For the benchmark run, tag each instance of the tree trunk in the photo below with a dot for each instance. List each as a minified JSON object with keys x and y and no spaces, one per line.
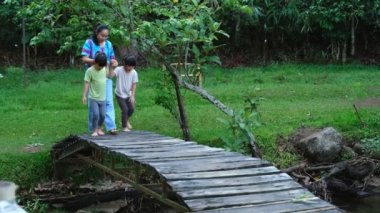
{"x":35,"y":53}
{"x":265,"y":49}
{"x":344,"y":52}
{"x":181,"y":108}
{"x":132,"y":49}
{"x":335,"y":51}
{"x":237,"y":30}
{"x":72,"y":60}
{"x":24,"y":49}
{"x":122,"y":50}
{"x":352,"y":36}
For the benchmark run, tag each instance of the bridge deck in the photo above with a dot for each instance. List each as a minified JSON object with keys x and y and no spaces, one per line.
{"x":212,"y":179}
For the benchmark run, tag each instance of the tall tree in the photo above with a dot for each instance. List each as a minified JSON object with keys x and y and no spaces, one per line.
{"x":337,"y":20}
{"x":179,"y":32}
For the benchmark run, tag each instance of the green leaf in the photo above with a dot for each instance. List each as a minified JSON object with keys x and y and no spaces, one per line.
{"x":214,"y":59}
{"x":196,"y":52}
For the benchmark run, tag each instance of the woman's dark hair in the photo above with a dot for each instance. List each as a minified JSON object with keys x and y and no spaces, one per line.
{"x":129,"y":61}
{"x":99,"y":28}
{"x":101,"y":59}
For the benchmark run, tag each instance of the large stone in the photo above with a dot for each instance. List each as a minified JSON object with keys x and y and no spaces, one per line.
{"x":323,"y":146}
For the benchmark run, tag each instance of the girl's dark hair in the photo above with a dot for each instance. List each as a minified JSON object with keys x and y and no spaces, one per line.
{"x":101,"y":59}
{"x":99,"y":28}
{"x":129,"y":61}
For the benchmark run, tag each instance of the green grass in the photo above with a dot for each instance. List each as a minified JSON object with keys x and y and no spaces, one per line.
{"x":50,"y":109}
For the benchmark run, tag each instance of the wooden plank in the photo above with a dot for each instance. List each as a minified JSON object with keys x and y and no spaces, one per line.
{"x":203,"y":166}
{"x":122,"y":134}
{"x":118,"y":138}
{"x":330,"y":209}
{"x":239,"y":200}
{"x":151,"y":144}
{"x":120,"y":143}
{"x":174,"y":147}
{"x":314,"y":204}
{"x":169,"y":151}
{"x":186,"y":158}
{"x":136,"y":140}
{"x":148,"y":145}
{"x":227,"y":173}
{"x":175,"y":157}
{"x":135,"y":132}
{"x":239,"y":190}
{"x":232,"y":159}
{"x":182,"y":185}
{"x":157,"y":148}
{"x":148,"y":138}
{"x":134,"y":136}
{"x":158,"y":155}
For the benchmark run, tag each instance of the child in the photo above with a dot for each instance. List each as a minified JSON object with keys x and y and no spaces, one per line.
{"x":95,"y":87}
{"x":126,"y":79}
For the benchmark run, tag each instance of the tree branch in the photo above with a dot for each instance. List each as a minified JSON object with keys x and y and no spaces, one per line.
{"x":204,"y":94}
{"x":302,"y":166}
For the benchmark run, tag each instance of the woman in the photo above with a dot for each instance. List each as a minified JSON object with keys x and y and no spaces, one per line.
{"x":99,"y":43}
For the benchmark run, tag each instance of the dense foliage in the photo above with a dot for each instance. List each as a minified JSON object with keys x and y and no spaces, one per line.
{"x":261,"y":31}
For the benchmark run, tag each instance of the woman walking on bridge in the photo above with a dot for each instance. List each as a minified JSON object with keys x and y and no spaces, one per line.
{"x":100,"y":43}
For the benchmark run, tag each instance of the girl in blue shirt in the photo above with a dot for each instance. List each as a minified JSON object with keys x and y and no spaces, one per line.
{"x":99,"y":43}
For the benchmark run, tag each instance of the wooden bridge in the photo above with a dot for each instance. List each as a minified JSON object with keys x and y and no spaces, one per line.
{"x":196,"y":178}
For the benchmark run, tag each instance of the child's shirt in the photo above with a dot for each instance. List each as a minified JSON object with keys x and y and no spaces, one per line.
{"x":97,"y":80}
{"x":124,"y":82}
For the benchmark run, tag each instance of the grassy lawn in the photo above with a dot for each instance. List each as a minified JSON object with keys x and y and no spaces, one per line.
{"x":292,"y":96}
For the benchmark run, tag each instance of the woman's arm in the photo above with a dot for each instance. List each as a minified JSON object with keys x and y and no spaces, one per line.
{"x":114,"y":63}
{"x":87,"y":50}
{"x":88,"y":60}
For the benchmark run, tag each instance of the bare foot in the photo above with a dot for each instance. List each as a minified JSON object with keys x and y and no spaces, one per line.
{"x":126,"y":129}
{"x":94,"y":134}
{"x":129,"y":126}
{"x":100,"y":132}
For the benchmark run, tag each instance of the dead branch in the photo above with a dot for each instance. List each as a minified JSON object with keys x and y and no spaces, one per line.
{"x":204,"y":94}
{"x":294,"y":168}
{"x":303,"y":166}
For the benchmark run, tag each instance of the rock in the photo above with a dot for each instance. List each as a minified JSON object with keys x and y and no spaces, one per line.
{"x":362,"y":150}
{"x":358,"y":148}
{"x":360,"y":169}
{"x":323,"y":146}
{"x":348,"y":153}
{"x":374,"y":184}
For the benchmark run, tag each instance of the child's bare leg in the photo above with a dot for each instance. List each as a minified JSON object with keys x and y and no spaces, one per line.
{"x":129,"y":126}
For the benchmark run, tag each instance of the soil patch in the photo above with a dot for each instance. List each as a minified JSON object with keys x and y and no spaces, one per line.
{"x":368,"y":103}
{"x":32,"y":148}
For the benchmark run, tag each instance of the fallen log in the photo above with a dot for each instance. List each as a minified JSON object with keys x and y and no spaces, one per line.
{"x":304,"y":167}
{"x":343,"y":178}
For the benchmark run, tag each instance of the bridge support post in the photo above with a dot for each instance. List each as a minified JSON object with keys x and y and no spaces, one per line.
{"x":155,"y":195}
